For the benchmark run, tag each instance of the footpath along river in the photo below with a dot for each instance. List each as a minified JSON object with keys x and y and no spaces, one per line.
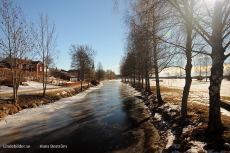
{"x":109,"y":119}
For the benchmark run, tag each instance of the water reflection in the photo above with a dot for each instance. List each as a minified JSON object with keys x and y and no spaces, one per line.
{"x":99,"y":120}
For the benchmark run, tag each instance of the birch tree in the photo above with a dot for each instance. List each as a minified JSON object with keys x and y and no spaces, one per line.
{"x":15,"y":41}
{"x":45,"y":44}
{"x":213,"y":25}
{"x":184,"y":14}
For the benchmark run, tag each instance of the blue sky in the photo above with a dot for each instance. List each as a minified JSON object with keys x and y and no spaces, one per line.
{"x":83,"y":22}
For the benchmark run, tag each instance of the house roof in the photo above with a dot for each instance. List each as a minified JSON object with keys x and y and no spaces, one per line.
{"x":35,"y":62}
{"x":5,"y":62}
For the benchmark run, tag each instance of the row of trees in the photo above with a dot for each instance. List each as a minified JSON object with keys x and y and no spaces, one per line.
{"x":104,"y":75}
{"x":163,"y":30}
{"x":20,"y":39}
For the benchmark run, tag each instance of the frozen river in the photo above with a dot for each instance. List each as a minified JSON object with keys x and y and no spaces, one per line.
{"x":99,"y":122}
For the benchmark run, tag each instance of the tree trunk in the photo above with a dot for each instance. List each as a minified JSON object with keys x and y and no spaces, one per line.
{"x":188,"y":68}
{"x":216,"y":77}
{"x":158,"y":91}
{"x":218,"y":57}
{"x":142,"y":80}
{"x":155,"y":58}
{"x":149,"y":85}
{"x":45,"y":83}
{"x":89,"y":78}
{"x":134,"y":79}
{"x":81,"y":80}
{"x":206,"y":72}
{"x":189,"y":6}
{"x":188,"y":81}
{"x":139,"y":78}
{"x":15,"y":95}
{"x":146,"y":78}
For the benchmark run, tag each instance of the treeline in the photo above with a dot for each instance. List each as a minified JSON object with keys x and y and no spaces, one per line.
{"x":82,"y":57}
{"x":164,"y":32}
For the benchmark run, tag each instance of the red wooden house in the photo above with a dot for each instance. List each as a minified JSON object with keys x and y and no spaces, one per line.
{"x":25,"y":65}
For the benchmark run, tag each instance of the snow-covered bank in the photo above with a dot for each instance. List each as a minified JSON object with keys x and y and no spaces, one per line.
{"x":32,"y":85}
{"x":196,"y":86}
{"x":167,"y":121}
{"x":28,"y":114}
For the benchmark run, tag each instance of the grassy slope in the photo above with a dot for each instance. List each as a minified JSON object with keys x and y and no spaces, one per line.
{"x":199,"y":133}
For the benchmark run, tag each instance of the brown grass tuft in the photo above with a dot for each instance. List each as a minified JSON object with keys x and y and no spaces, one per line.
{"x":2,"y":114}
{"x":197,"y":113}
{"x":225,"y":98}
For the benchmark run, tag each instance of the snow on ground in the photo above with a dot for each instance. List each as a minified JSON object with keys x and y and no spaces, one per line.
{"x":134,"y":91}
{"x":31,"y":113}
{"x":197,"y":146}
{"x":197,"y":98}
{"x":198,"y":91}
{"x":32,"y":86}
{"x":199,"y":95}
{"x":195,"y":86}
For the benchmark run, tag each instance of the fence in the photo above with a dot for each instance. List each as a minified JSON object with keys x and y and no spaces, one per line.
{"x":74,"y":83}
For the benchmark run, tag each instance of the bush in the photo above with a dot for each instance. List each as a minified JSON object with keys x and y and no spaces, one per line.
{"x":24,"y":80}
{"x":94,"y":82}
{"x":228,"y":77}
{"x":199,"y":78}
{"x":7,"y":82}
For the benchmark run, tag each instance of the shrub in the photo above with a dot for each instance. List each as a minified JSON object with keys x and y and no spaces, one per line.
{"x":228,"y":76}
{"x":199,"y":78}
{"x":24,"y":80}
{"x":94,"y":82}
{"x":7,"y":82}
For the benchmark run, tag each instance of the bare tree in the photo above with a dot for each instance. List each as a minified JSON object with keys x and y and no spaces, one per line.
{"x":201,"y":64}
{"x":15,"y":41}
{"x":109,"y":74}
{"x":82,"y":59}
{"x":198,"y":67}
{"x":100,"y":72}
{"x":184,"y":13}
{"x":212,"y":24}
{"x":45,"y":45}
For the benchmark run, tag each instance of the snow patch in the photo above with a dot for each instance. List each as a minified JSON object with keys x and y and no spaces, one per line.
{"x":27,"y":114}
{"x":170,"y":138}
{"x":32,"y":86}
{"x":197,"y":146}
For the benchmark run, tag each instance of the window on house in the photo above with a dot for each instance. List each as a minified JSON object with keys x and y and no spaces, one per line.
{"x":40,"y":68}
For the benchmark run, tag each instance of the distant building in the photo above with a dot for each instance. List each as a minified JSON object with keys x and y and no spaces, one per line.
{"x":65,"y":75}
{"x":25,"y":65}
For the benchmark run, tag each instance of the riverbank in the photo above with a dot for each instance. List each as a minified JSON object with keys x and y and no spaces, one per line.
{"x":109,"y":119}
{"x":146,"y":135}
{"x":187,"y":135}
{"x":26,"y":101}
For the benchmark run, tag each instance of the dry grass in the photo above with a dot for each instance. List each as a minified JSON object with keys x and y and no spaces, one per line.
{"x":2,"y":114}
{"x":33,"y":100}
{"x":166,"y":90}
{"x":194,"y":108}
{"x":225,"y":98}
